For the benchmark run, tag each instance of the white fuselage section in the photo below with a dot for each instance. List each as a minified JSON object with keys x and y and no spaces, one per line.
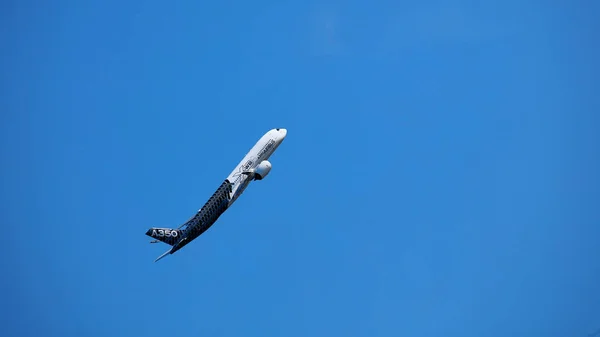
{"x":262,"y":150}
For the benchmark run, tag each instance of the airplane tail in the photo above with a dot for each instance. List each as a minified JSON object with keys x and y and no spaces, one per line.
{"x":166,"y":235}
{"x":164,"y":254}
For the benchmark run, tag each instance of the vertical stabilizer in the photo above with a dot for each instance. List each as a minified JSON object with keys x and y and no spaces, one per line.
{"x":166,"y":235}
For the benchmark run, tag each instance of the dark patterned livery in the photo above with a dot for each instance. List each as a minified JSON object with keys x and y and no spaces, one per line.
{"x":199,"y":223}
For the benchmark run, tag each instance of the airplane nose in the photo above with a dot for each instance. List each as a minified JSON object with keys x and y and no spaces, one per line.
{"x":283,"y":132}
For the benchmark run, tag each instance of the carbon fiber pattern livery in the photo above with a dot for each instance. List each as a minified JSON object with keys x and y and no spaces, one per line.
{"x":199,"y":223}
{"x":209,"y":213}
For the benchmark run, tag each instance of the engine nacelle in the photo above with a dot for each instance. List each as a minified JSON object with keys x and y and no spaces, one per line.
{"x":261,"y":171}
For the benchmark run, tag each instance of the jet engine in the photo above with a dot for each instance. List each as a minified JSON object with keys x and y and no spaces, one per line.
{"x":262,"y":170}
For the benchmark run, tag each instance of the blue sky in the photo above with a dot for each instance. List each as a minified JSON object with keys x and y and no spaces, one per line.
{"x":439,"y":177}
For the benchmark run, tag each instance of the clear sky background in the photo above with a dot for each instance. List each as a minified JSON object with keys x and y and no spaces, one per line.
{"x":439,"y":177}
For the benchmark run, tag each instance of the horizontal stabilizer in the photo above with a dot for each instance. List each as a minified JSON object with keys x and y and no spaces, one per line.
{"x":165,"y":254}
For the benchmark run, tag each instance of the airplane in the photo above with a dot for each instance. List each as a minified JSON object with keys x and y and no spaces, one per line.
{"x":254,"y":166}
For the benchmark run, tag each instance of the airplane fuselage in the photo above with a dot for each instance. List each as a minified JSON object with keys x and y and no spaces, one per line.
{"x":254,"y":166}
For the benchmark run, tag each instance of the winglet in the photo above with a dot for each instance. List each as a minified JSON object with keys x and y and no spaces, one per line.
{"x":165,"y":254}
